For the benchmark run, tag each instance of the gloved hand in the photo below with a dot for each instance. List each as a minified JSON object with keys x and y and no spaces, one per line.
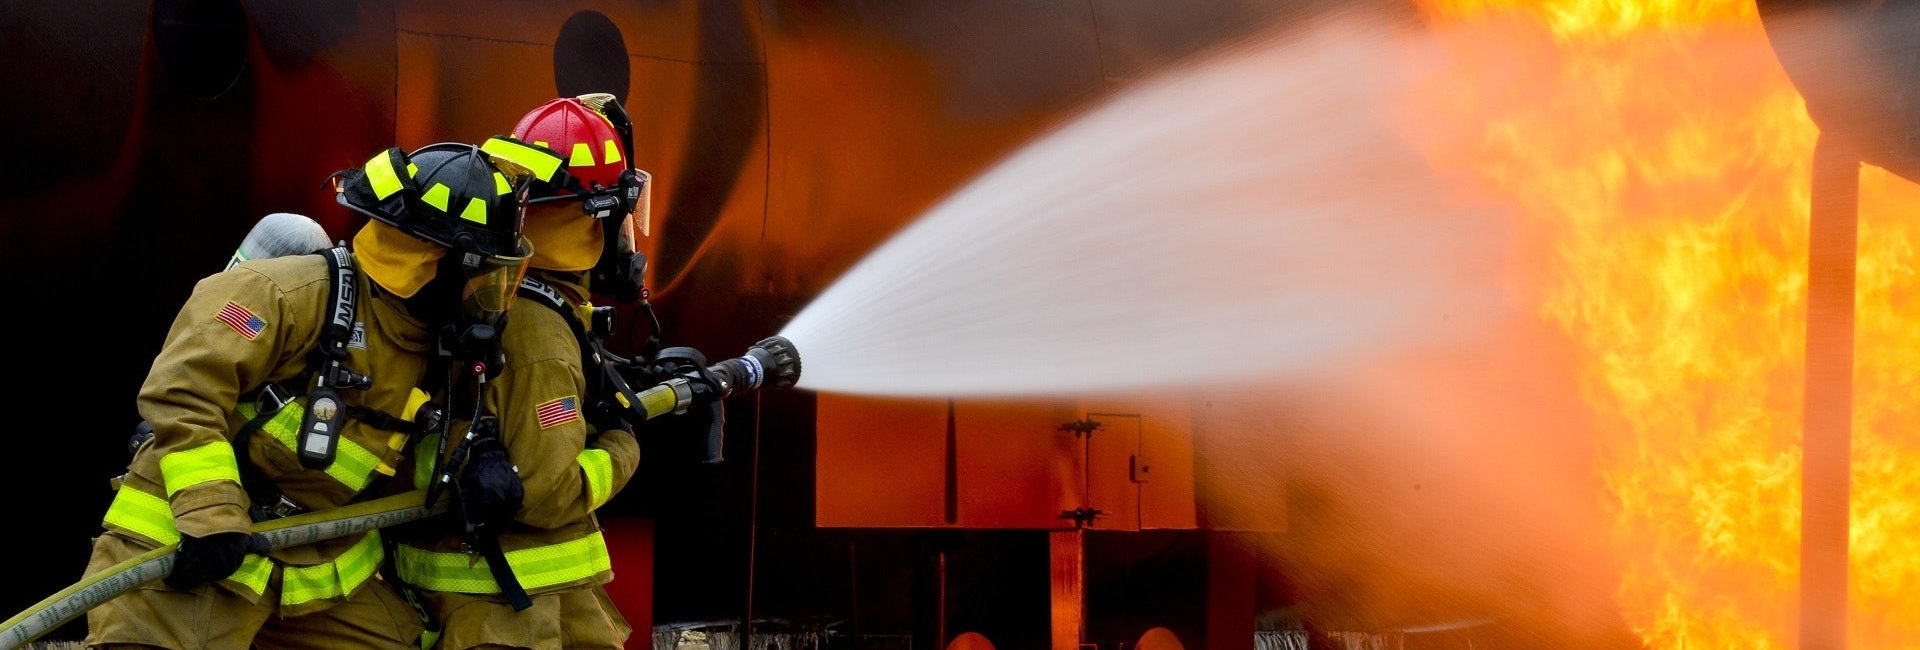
{"x":200,"y":560}
{"x":490,"y":492}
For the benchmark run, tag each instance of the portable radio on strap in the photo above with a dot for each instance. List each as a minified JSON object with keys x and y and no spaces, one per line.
{"x":319,"y":437}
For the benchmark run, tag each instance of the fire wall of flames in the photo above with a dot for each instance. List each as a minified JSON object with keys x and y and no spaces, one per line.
{"x":1661,"y":158}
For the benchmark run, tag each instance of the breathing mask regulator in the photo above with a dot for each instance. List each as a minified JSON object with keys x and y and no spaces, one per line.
{"x":627,"y":218}
{"x":486,"y":288}
{"x":622,"y":267}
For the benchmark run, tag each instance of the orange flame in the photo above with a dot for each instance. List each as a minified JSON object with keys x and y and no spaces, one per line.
{"x":1662,"y":158}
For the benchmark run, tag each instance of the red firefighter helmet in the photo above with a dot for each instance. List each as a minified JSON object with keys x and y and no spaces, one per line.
{"x":581,"y":135}
{"x":592,"y":136}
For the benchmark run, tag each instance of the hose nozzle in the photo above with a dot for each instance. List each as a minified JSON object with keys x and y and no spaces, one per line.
{"x":771,"y":363}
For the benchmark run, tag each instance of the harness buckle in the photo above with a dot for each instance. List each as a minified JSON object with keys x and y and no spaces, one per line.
{"x":272,"y":398}
{"x":285,"y":508}
{"x":280,"y":507}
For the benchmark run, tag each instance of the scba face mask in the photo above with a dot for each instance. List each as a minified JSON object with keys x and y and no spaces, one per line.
{"x":491,"y":283}
{"x":622,"y":268}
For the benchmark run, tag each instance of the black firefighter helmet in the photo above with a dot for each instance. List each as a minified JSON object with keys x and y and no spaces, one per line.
{"x":455,"y":196}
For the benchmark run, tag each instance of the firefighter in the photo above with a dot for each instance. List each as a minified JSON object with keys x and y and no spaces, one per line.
{"x":585,"y":214}
{"x":290,"y":385}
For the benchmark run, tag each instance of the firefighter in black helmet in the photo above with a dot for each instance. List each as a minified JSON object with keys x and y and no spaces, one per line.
{"x":293,"y":384}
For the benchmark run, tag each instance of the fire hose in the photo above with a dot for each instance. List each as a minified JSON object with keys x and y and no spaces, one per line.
{"x":56,"y":610}
{"x":771,"y":363}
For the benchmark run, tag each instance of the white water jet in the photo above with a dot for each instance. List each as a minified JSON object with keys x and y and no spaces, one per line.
{"x":1249,"y":216}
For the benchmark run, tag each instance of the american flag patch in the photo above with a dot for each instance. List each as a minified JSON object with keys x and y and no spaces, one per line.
{"x":560,"y":411}
{"x":241,"y":320}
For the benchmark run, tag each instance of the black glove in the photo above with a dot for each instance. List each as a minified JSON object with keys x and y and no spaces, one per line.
{"x":490,"y":492}
{"x":200,"y":560}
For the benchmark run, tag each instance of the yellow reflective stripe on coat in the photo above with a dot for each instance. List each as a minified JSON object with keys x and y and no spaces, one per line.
{"x":254,"y":572}
{"x":537,"y":567}
{"x":143,"y":513}
{"x":203,"y":464}
{"x":422,"y":466}
{"x":598,"y":466}
{"x":299,"y":584}
{"x":353,"y":465}
{"x":150,"y":515}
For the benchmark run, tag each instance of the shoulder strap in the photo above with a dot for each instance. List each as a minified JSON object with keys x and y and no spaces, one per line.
{"x":342,"y":298}
{"x":610,"y":401}
{"x":545,"y":294}
{"x":549,"y":296}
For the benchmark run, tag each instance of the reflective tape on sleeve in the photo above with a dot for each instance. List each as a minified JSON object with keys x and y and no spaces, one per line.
{"x":203,"y":464}
{"x":143,"y":513}
{"x":254,"y":572}
{"x":597,"y":464}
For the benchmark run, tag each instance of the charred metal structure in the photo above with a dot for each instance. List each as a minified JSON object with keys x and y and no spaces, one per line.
{"x":1857,"y":65}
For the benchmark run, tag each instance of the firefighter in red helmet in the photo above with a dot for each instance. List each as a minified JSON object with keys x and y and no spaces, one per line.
{"x":559,"y":420}
{"x":280,"y":389}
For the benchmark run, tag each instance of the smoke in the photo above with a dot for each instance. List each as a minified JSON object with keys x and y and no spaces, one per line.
{"x":1447,"y":490}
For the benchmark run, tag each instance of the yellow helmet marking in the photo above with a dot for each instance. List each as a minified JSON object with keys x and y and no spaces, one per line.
{"x":381,"y":176}
{"x":613,"y":152}
{"x":436,"y":196}
{"x":500,"y":185}
{"x":476,"y":211}
{"x":582,"y":156}
{"x":541,"y":163}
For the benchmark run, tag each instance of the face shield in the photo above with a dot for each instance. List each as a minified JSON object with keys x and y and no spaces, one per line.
{"x":492,"y":281}
{"x":638,"y":222}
